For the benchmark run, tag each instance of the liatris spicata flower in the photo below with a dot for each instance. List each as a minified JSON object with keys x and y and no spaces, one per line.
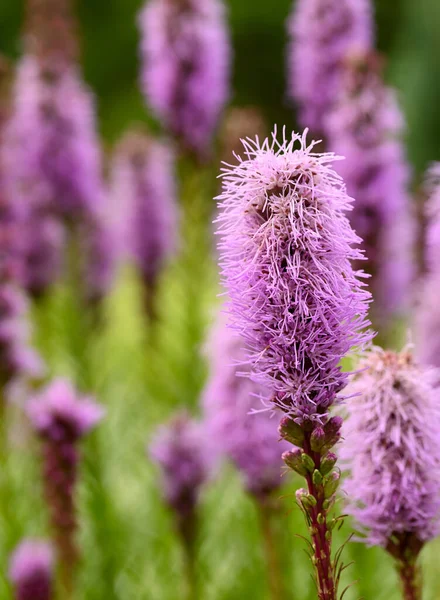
{"x":186,"y":61}
{"x":54,"y":154}
{"x":322,"y":33}
{"x":16,"y":357}
{"x":432,"y":242}
{"x":427,"y":322}
{"x":286,"y":247}
{"x":366,"y":127}
{"x":61,"y":418}
{"x":31,"y":570}
{"x":179,"y":449}
{"x":239,"y":427}
{"x":145,"y":194}
{"x":392,"y":450}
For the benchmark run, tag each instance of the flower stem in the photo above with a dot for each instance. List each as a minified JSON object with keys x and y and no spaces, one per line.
{"x":409,"y":574}
{"x":187,"y":526}
{"x":320,"y":533}
{"x":268,"y":514}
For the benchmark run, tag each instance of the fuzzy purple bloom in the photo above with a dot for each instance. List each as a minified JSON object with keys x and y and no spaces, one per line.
{"x":366,"y":126}
{"x":53,"y":135}
{"x":186,"y":62}
{"x":392,"y":450}
{"x":427,"y":314}
{"x":16,"y":357}
{"x":322,"y":34}
{"x":61,"y":418}
{"x":145,"y":194}
{"x":432,"y":249}
{"x":179,"y":448}
{"x":54,"y":162}
{"x":286,"y":249}
{"x":31,"y":570}
{"x":239,"y":427}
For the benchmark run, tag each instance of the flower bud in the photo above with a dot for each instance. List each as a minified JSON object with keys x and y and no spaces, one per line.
{"x":317,"y":439}
{"x":332,"y":484}
{"x":293,"y":459}
{"x":291,"y":431}
{"x":308,"y":462}
{"x":327,"y":463}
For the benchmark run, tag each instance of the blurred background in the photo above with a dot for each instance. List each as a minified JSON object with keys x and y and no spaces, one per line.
{"x":127,"y":537}
{"x":407,"y":34}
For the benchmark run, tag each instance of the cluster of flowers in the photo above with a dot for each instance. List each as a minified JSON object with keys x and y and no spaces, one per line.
{"x":290,"y":261}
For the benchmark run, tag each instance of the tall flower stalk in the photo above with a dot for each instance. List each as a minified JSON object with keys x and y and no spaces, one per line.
{"x":54,"y":156}
{"x":61,"y":418}
{"x":322,"y":33}
{"x":17,"y":359}
{"x":366,"y":126}
{"x":286,"y":247}
{"x":143,"y":189}
{"x":185,"y":56}
{"x":245,"y":434}
{"x":179,"y":450}
{"x":427,"y":314}
{"x":392,"y":451}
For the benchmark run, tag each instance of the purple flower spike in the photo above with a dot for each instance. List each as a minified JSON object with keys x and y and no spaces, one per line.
{"x":427,"y":323}
{"x":239,"y":427}
{"x":16,"y":357}
{"x":286,"y":247}
{"x":366,"y":126}
{"x":392,"y":451}
{"x":186,"y":62}
{"x":54,"y":162}
{"x":31,"y":571}
{"x":432,"y":186}
{"x":179,"y":449}
{"x":61,"y":418}
{"x":145,"y":193}
{"x":322,"y":34}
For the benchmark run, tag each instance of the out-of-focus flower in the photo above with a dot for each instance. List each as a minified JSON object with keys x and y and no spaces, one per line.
{"x":145,"y":198}
{"x":186,"y":61}
{"x":179,"y":448}
{"x":392,"y":450}
{"x":285,"y":253}
{"x":54,"y":162}
{"x":61,"y":418}
{"x":16,"y":357}
{"x":322,"y":34}
{"x":366,"y":126}
{"x":427,"y":314}
{"x":31,"y":570}
{"x":239,"y":427}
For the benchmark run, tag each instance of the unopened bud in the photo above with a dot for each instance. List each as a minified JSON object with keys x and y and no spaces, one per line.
{"x":327,"y":463}
{"x":317,"y":477}
{"x":308,"y":462}
{"x":332,"y":430}
{"x":293,"y":460}
{"x":317,"y":439}
{"x":291,"y":431}
{"x":332,"y":484}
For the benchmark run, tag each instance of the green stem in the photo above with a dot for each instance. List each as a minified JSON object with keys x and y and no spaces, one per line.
{"x":187,"y":528}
